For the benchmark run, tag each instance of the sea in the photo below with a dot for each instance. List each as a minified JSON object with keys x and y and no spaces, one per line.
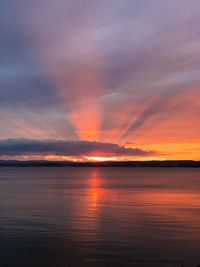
{"x":99,"y":216}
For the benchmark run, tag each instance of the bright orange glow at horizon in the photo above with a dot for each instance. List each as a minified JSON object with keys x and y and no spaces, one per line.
{"x":96,"y":158}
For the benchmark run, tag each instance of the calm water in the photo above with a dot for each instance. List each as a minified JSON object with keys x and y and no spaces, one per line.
{"x":60,"y":217}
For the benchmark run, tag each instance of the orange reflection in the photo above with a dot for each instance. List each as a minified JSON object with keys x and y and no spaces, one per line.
{"x":132,"y":206}
{"x":95,"y":192}
{"x":86,"y":211}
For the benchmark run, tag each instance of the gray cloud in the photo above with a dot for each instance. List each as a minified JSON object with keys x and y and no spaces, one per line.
{"x":137,"y":48}
{"x":17,"y":147}
{"x":23,"y":85}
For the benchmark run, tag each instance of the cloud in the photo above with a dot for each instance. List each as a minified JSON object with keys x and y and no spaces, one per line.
{"x":58,"y":57}
{"x":22,"y":146}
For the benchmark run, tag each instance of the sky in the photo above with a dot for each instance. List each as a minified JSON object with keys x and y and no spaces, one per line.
{"x":100,"y":80}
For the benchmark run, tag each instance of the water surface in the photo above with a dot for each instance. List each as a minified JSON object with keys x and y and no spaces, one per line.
{"x":59,"y":217}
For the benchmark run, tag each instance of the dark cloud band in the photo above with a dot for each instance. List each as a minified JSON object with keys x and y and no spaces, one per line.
{"x":16,"y":147}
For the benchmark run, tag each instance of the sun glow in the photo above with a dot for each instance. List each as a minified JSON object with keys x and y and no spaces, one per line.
{"x":100,"y":158}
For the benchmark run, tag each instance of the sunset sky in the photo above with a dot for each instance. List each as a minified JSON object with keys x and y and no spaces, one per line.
{"x":91,"y":80}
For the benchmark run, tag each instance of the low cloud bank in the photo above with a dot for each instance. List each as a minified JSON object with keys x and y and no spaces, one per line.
{"x":17,"y":147}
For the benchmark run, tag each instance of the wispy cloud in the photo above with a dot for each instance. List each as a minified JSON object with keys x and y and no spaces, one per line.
{"x":102,"y":71}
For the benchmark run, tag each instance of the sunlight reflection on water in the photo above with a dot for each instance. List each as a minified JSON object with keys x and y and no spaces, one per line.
{"x":99,"y":216}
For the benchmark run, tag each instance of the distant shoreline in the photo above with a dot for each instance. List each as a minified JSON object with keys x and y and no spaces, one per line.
{"x":134,"y":164}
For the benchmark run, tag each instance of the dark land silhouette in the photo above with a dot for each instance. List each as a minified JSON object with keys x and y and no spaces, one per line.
{"x":163,"y":164}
